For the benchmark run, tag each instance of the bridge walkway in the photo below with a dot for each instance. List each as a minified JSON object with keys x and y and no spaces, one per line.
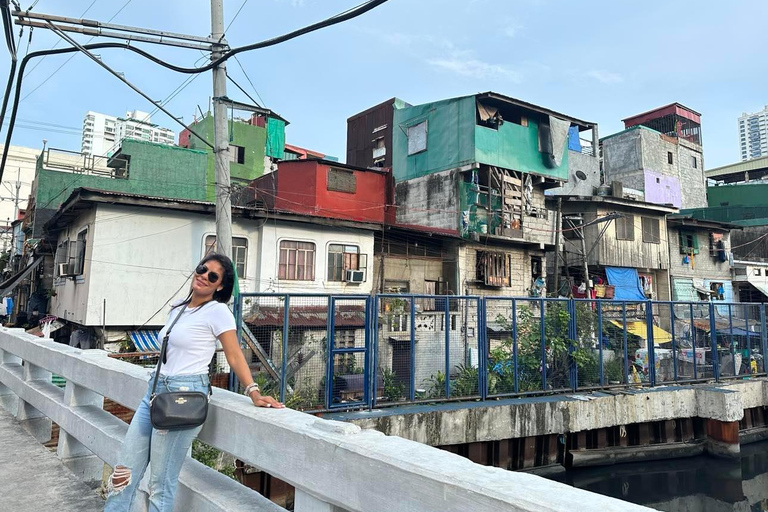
{"x":33,"y":479}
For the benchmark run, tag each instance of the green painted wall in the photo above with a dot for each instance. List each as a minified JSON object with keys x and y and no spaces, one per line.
{"x":454,"y":139}
{"x":516,"y":147}
{"x":450,"y":137}
{"x":252,"y":138}
{"x":743,"y":194}
{"x":155,"y":170}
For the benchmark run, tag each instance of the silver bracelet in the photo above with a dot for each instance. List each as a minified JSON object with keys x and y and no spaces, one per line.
{"x":250,"y":388}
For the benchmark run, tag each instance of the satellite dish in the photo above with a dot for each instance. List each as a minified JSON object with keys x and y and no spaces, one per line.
{"x":580,"y":175}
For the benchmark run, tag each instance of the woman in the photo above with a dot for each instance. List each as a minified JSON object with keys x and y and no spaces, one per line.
{"x":204,"y":318}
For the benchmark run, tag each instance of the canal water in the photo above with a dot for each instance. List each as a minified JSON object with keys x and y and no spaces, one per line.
{"x":699,"y":484}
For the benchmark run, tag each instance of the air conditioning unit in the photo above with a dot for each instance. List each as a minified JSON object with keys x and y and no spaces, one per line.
{"x":65,"y":270}
{"x":355,"y":276}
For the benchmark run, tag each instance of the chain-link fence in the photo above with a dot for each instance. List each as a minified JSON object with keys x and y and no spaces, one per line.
{"x":396,"y":349}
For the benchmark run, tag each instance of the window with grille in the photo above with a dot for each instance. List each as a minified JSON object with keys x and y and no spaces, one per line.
{"x":239,"y":252}
{"x":493,"y":268}
{"x":651,"y":233}
{"x":297,"y":261}
{"x":342,"y":258}
{"x":625,"y":227}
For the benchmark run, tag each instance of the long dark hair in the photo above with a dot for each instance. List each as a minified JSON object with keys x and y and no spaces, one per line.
{"x":227,"y":280}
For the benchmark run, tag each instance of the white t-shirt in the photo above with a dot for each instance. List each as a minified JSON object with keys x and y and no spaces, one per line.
{"x":193,"y":338}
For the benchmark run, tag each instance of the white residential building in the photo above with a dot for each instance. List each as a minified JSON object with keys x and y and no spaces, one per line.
{"x":103,"y":133}
{"x":121,"y":258}
{"x":20,"y":168}
{"x":753,"y":134}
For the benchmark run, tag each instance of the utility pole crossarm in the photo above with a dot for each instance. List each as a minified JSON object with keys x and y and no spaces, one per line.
{"x":101,"y":63}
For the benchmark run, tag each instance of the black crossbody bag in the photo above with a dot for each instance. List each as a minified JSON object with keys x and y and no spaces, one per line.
{"x":177,"y":410}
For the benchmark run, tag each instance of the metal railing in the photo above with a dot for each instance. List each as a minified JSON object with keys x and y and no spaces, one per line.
{"x":330,"y":464}
{"x":395,"y":349}
{"x":83,"y":163}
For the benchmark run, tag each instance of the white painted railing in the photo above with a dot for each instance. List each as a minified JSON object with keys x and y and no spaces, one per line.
{"x":334,"y":466}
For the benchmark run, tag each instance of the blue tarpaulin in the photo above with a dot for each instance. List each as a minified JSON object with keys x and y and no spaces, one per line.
{"x":574,"y":144}
{"x":626,"y":283}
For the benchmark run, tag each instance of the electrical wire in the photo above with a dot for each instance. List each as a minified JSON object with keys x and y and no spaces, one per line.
{"x":58,"y":41}
{"x":249,"y":81}
{"x":233,"y":19}
{"x":72,"y":56}
{"x":339,"y":18}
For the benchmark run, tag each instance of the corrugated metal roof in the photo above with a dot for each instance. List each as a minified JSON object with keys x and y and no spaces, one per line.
{"x":307,"y":316}
{"x":756,"y":164}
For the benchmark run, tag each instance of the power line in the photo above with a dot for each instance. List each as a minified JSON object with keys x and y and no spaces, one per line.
{"x":71,"y":56}
{"x":234,"y":17}
{"x":59,"y":40}
{"x":249,"y":81}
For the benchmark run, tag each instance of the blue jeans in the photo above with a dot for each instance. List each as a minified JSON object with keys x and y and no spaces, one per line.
{"x":165,"y":449}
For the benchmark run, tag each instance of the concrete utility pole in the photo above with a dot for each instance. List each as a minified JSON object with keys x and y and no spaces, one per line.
{"x":221,"y":135}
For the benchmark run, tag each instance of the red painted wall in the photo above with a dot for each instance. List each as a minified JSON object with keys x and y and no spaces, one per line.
{"x":302,"y":187}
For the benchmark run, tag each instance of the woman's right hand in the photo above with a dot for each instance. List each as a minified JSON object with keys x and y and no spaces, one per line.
{"x":265,"y":401}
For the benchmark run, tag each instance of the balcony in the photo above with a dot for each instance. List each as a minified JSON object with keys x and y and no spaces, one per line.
{"x":81,"y":163}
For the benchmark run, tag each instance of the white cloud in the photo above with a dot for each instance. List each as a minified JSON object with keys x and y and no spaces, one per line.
{"x":461,"y":63}
{"x":604,"y":77}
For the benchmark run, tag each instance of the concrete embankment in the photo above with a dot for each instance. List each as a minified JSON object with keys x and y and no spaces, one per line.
{"x":598,"y":428}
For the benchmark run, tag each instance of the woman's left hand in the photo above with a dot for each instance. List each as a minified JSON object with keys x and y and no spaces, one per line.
{"x":265,"y":401}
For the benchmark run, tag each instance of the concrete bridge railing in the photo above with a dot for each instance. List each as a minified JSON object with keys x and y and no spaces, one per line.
{"x":334,"y":466}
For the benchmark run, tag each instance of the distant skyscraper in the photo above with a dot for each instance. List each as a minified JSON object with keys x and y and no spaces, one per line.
{"x":102,"y":133}
{"x":753,"y":134}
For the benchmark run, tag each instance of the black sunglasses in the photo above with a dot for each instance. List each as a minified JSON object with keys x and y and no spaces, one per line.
{"x":212,"y":277}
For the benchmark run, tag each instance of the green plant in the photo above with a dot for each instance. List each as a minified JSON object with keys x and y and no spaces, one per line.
{"x":393,"y":389}
{"x":561,"y":352}
{"x":436,"y":385}
{"x":213,"y":458}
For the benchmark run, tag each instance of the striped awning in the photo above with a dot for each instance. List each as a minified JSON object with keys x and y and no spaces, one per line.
{"x":146,"y":341}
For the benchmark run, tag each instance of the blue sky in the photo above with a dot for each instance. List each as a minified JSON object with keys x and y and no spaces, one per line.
{"x":597,"y":60}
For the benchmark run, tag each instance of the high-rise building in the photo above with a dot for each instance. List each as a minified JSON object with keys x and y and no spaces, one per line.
{"x":102,"y":133}
{"x":753,"y":134}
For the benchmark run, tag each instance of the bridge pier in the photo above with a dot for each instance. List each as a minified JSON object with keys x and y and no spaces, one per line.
{"x":34,"y":421}
{"x":73,"y":454}
{"x":305,"y":502}
{"x":8,"y":399}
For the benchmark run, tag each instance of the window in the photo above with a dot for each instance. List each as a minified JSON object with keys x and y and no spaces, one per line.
{"x":340,"y":180}
{"x":379,"y":148}
{"x":758,"y":272}
{"x":689,"y":242}
{"x":77,"y":260}
{"x":342,"y":258}
{"x":694,"y":162}
{"x":669,"y":157}
{"x":625,"y":227}
{"x":239,"y":252}
{"x":493,"y":268}
{"x":651,"y":233}
{"x":297,"y":261}
{"x":417,"y":138}
{"x":236,"y":154}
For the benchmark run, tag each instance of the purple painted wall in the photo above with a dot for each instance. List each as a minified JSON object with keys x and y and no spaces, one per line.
{"x":662,"y":189}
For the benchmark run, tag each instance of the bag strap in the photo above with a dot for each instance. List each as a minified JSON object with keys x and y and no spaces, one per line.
{"x":165,"y":347}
